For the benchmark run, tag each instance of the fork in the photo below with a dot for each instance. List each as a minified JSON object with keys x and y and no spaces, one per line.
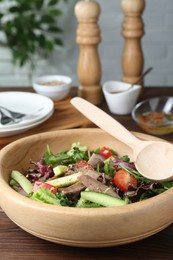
{"x":10,"y":113}
{"x":4,"y":119}
{"x":11,"y":117}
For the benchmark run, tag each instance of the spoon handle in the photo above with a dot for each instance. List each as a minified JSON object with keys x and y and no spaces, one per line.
{"x":142,"y":76}
{"x":104,"y":121}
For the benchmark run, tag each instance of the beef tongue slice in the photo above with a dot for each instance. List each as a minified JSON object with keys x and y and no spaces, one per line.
{"x":96,"y":186}
{"x":73,"y":191}
{"x":96,"y":159}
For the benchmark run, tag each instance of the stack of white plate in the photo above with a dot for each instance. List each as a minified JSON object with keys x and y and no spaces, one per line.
{"x":26,"y":103}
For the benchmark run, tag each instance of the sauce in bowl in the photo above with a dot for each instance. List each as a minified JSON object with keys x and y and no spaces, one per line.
{"x":156,"y":122}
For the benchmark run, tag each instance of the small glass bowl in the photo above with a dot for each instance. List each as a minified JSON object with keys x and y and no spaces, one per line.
{"x":155,"y":115}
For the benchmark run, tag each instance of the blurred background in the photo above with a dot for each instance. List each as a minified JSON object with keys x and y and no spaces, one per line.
{"x":157,"y":44}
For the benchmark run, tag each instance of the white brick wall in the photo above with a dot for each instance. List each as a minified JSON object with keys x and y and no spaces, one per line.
{"x":157,"y":45}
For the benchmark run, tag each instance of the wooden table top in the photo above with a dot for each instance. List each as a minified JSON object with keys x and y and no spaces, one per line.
{"x":18,"y":244}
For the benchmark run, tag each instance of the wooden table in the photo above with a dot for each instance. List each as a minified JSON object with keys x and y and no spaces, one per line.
{"x":18,"y":244}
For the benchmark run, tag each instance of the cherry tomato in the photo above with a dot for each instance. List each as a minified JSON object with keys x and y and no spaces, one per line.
{"x":105,"y":152}
{"x":122,"y":179}
{"x":39,"y":184}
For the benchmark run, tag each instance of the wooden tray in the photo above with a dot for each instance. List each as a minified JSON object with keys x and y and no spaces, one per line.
{"x":65,"y":116}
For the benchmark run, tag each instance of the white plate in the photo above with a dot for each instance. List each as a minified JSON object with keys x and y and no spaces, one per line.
{"x":27,"y":103}
{"x":24,"y":128}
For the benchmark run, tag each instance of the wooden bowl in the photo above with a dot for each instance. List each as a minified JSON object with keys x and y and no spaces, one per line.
{"x":94,"y":227}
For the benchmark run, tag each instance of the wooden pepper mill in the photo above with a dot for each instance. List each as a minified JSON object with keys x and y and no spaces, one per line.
{"x":88,"y":37}
{"x":132,"y":30}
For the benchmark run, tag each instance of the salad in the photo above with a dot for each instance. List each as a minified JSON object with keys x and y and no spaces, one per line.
{"x":82,"y":178}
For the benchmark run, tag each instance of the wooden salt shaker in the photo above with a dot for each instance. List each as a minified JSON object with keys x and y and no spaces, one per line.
{"x":132,"y":30}
{"x":88,"y":37}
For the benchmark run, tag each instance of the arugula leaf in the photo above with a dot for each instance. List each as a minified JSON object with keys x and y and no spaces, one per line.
{"x":76,"y":153}
{"x":125,"y":158}
{"x":109,"y":168}
{"x":151,"y":193}
{"x":167,"y":184}
{"x":64,"y":201}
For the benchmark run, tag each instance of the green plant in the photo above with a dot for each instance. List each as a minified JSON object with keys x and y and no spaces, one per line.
{"x":30,"y":28}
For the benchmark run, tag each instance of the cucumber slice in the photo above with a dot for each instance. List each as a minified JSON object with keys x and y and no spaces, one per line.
{"x":59,"y":170}
{"x":65,"y":181}
{"x":102,"y":199}
{"x":22,"y":180}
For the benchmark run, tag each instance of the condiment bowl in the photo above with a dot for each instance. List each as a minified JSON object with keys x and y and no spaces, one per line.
{"x":155,"y":115}
{"x":56,"y":87}
{"x":82,"y":227}
{"x":119,"y":98}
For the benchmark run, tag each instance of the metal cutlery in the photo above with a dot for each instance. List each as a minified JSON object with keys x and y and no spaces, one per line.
{"x":11,"y":113}
{"x":8,"y":116}
{"x":4,"y":119}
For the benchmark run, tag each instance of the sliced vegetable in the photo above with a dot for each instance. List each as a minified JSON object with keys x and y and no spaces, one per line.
{"x":59,"y":170}
{"x":39,"y":184}
{"x":105,"y":152}
{"x":102,"y":199}
{"x":22,"y":180}
{"x":66,"y":180}
{"x":124,"y":180}
{"x":13,"y":182}
{"x":128,"y":165}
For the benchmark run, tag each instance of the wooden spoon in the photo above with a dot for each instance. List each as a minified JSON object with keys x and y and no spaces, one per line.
{"x":153,"y":159}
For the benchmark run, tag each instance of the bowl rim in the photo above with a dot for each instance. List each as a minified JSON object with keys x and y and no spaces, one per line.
{"x":125,"y":86}
{"x":149,"y":124}
{"x":51,"y":89}
{"x":67,"y":79}
{"x":15,"y":196}
{"x":56,"y":89}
